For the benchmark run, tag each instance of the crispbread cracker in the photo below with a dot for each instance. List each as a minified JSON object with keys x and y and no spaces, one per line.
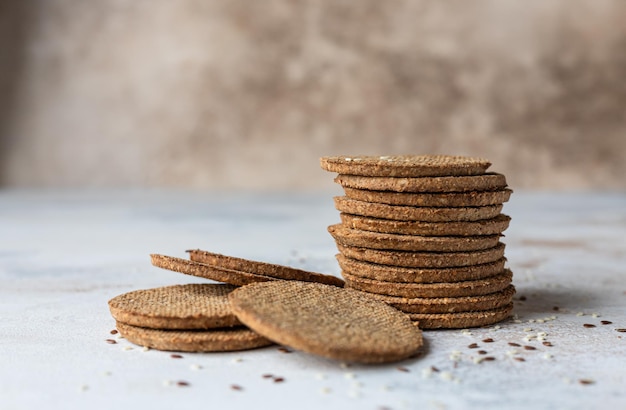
{"x":449,"y":199}
{"x":414,"y":213}
{"x":326,"y":320}
{"x":216,"y":340}
{"x":431,"y":290}
{"x":194,"y":306}
{"x":449,"y":304}
{"x":423,"y":259}
{"x":486,"y":182}
{"x":203,"y":270}
{"x":464,"y":228}
{"x":388,"y":273}
{"x":376,"y":240}
{"x":261,"y":268}
{"x":461,"y":320}
{"x":405,"y":165}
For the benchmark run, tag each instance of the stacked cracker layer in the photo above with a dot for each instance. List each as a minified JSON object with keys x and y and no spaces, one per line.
{"x":422,"y":233}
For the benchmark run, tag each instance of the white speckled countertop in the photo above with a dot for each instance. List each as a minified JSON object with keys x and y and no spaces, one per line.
{"x":64,"y":254}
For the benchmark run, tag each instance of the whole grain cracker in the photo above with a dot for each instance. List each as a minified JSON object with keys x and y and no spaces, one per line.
{"x":465,"y":228}
{"x":413,"y":213}
{"x":215,"y":340}
{"x":449,"y":304}
{"x":405,"y":165}
{"x":193,"y":306}
{"x":431,"y":290}
{"x":375,"y":240}
{"x":461,"y":320}
{"x":261,"y":268}
{"x":423,"y":259}
{"x":448,"y":199}
{"x":203,"y":270}
{"x":389,"y":273}
{"x":336,"y":323}
{"x":486,"y":182}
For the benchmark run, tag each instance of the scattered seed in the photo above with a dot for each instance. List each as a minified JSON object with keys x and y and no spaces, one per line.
{"x":555,"y":308}
{"x":514,"y":344}
{"x":522,"y":298}
{"x":473,"y":346}
{"x":403,"y":369}
{"x":182,"y":383}
{"x":580,"y":314}
{"x":127,"y":348}
{"x":519,"y":359}
{"x":237,"y":360}
{"x":279,"y":379}
{"x":549,"y":344}
{"x":284,"y":350}
{"x":176,"y":356}
{"x":267,"y":376}
{"x":547,"y":356}
{"x":586,"y":381}
{"x":145,"y":349}
{"x":350,"y":376}
{"x":236,"y":387}
{"x":606,"y":322}
{"x":434,"y":369}
{"x":528,"y":329}
{"x":621,"y":330}
{"x":530,"y":348}
{"x":325,"y":390}
{"x":588,"y":325}
{"x":488,"y":340}
{"x":195,"y":367}
{"x":111,"y":341}
{"x":482,"y":352}
{"x":114,"y":332}
{"x":595,"y":315}
{"x":489,"y":359}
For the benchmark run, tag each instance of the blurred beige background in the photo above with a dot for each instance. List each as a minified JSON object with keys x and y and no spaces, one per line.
{"x":245,"y":94}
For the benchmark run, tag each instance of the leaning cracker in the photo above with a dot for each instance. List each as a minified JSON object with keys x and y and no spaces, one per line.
{"x":423,"y":259}
{"x":414,"y":213}
{"x":486,"y":182}
{"x":261,"y":268}
{"x":405,"y":165}
{"x":203,"y":270}
{"x":194,"y":306}
{"x":376,"y":240}
{"x":326,"y":320}
{"x":447,"y":199}
{"x":388,"y":273}
{"x":431,"y":290}
{"x":449,"y":304}
{"x":219,"y":340}
{"x":491,"y":226}
{"x":461,"y":320}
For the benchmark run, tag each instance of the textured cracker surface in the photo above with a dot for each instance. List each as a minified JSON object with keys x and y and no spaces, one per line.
{"x":261,"y":268}
{"x":193,"y":306}
{"x":376,"y":240}
{"x":328,"y":321}
{"x":405,"y":165}
{"x":451,"y":199}
{"x":217,"y":340}
{"x":387,"y":273}
{"x":423,"y":259}
{"x":464,"y":228}
{"x":487,"y":182}
{"x":414,"y":213}
{"x":432,"y":290}
{"x":461,"y":320}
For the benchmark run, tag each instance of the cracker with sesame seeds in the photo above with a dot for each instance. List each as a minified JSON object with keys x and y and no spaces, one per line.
{"x":444,"y":184}
{"x":415,"y":213}
{"x":405,"y":165}
{"x":192,"y":306}
{"x":261,"y":268}
{"x":444,"y":199}
{"x":432,"y":290}
{"x":376,"y":240}
{"x":461,"y":320}
{"x":328,"y":321}
{"x":481,"y":227}
{"x":214,"y":340}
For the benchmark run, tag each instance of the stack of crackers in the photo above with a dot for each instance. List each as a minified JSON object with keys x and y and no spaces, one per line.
{"x":422,"y":233}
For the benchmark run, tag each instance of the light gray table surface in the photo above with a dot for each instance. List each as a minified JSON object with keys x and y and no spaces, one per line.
{"x":63,"y":255}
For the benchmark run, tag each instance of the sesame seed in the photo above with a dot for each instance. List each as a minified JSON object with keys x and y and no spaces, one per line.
{"x":580,"y":314}
{"x":528,"y":329}
{"x":195,"y":367}
{"x":127,"y":348}
{"x":167,"y":383}
{"x":606,"y":322}
{"x":236,"y":387}
{"x":284,"y":350}
{"x":237,"y":360}
{"x":403,"y":369}
{"x":519,"y":359}
{"x":530,"y":348}
{"x":547,"y":356}
{"x":446,"y":376}
{"x":434,"y":369}
{"x":279,"y":379}
{"x":482,"y":352}
{"x":589,"y":325}
{"x":113,"y":332}
{"x":586,"y":381}
{"x":473,"y":346}
{"x":595,"y":315}
{"x":488,"y":340}
{"x":176,"y":356}
{"x":349,"y":376}
{"x":145,"y":349}
{"x":514,"y":344}
{"x":489,"y":359}
{"x":549,"y":344}
{"x":111,"y":341}
{"x":621,"y":330}
{"x":267,"y":376}
{"x":182,"y":383}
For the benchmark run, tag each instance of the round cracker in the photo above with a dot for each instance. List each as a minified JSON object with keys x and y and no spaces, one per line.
{"x":461,"y":320}
{"x":431,"y":290}
{"x":491,"y":226}
{"x":326,"y":320}
{"x":193,"y":306}
{"x":261,"y":268}
{"x":487,"y":182}
{"x":450,"y":199}
{"x":388,"y":273}
{"x":203,"y":270}
{"x":405,"y":165}
{"x":414,"y":213}
{"x":423,"y":259}
{"x":449,"y":304}
{"x":218,"y":340}
{"x":376,"y":240}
